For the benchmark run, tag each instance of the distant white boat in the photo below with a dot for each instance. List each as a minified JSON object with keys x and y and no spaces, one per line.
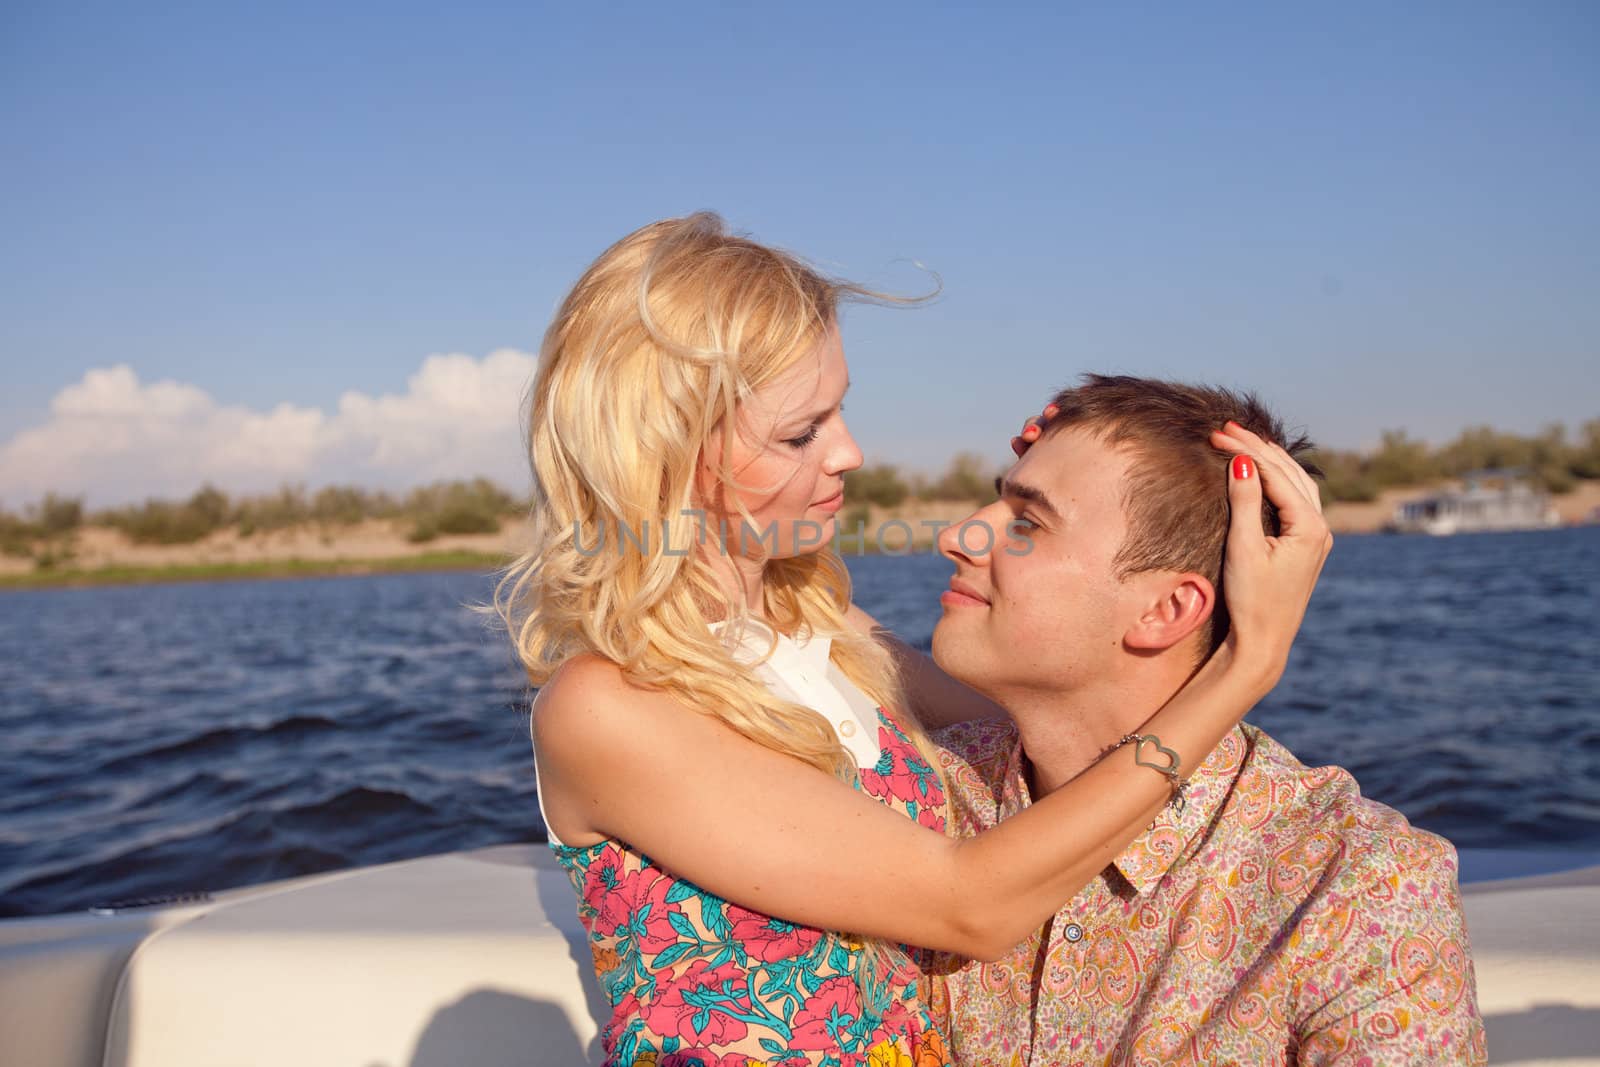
{"x":1488,"y":500}
{"x":477,"y":959}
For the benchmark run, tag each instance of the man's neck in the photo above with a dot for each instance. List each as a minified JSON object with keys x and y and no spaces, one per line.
{"x":1064,"y":732}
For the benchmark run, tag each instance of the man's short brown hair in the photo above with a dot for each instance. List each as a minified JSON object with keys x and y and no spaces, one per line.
{"x":1176,"y":501}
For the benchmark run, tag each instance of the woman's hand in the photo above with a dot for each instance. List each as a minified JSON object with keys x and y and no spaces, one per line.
{"x":1031,"y":430}
{"x":1267,"y":581}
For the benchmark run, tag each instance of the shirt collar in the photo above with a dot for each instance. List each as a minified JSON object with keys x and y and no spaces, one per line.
{"x":1174,"y":834}
{"x":798,"y":669}
{"x":751,"y":640}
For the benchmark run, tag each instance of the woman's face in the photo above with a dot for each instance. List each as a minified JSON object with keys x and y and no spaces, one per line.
{"x":790,"y":452}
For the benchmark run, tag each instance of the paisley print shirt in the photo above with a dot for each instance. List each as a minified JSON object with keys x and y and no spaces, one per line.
{"x":695,"y":981}
{"x":1280,"y":918}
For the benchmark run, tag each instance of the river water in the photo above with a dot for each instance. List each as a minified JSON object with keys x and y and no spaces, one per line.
{"x":182,"y":737}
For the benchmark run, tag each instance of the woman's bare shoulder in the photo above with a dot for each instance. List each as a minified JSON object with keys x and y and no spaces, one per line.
{"x":589,"y":702}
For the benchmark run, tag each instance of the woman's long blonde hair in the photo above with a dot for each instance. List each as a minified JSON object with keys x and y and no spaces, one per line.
{"x":655,"y":348}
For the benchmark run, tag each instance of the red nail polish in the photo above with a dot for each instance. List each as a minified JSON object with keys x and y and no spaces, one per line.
{"x":1030,"y":431}
{"x":1051,"y":411}
{"x":1242,"y":467}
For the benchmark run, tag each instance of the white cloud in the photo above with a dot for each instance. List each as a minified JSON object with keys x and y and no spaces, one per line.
{"x":114,"y":439}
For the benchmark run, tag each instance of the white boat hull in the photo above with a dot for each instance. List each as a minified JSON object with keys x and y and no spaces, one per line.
{"x":477,"y":958}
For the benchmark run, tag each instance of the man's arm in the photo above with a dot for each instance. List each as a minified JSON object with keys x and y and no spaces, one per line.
{"x":936,"y":699}
{"x":1388,"y":975}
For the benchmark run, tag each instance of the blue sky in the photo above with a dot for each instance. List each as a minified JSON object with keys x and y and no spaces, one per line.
{"x":1378,"y":215}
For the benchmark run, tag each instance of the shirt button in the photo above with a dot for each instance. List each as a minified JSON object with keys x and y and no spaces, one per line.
{"x":1074,"y":933}
{"x":847,"y":728}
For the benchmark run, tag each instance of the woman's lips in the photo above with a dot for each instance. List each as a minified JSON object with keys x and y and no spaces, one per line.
{"x":833,"y":503}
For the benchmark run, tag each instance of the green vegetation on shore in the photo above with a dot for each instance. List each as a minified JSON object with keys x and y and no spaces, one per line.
{"x":459,"y":507}
{"x":46,"y":532}
{"x":968,"y":477}
{"x":281,"y":568}
{"x":1550,"y":459}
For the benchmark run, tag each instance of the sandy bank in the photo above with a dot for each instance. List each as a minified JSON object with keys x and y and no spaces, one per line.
{"x":378,"y":545}
{"x":367,"y":544}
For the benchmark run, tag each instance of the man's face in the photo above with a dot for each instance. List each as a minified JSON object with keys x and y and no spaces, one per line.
{"x":1046,"y":613}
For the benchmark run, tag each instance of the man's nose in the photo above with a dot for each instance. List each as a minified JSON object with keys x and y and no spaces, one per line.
{"x":970,"y":541}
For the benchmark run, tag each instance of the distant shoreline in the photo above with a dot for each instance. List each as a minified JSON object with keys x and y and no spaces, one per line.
{"x":254,"y":570}
{"x":100,"y":556}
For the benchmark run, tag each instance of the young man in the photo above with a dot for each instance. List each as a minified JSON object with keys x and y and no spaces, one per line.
{"x":1272,"y":914}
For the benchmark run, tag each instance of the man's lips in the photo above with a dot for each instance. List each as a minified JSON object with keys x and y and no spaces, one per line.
{"x":960,"y":593}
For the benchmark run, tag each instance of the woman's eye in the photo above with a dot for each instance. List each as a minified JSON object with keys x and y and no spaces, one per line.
{"x":806,"y":438}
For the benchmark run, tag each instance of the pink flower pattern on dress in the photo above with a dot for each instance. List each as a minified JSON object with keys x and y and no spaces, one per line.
{"x":827,"y":1015}
{"x":703,"y":1006}
{"x":695,"y":981}
{"x":768,"y":938}
{"x":638,"y":909}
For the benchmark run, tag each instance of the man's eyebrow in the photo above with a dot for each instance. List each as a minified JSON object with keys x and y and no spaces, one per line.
{"x":1009,"y":487}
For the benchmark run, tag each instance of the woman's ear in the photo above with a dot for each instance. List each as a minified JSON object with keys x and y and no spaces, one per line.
{"x":1179,"y":605}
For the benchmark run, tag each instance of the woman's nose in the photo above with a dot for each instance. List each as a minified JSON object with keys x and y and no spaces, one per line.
{"x":845,"y":454}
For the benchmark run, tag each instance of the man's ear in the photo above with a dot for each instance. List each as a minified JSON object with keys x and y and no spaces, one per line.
{"x":1179,"y":605}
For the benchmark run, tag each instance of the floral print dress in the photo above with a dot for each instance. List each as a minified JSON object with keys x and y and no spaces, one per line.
{"x":696,"y":980}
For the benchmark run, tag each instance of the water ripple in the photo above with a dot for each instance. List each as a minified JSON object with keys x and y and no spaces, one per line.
{"x":172,"y":738}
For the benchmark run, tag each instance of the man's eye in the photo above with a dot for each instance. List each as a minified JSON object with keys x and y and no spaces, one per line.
{"x":1022,"y":522}
{"x":806,"y":438}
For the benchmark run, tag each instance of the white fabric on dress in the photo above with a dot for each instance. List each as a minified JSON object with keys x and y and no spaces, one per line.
{"x":798,"y":671}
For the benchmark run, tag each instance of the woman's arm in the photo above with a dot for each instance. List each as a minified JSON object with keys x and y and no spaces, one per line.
{"x":773,"y":834}
{"x":770,"y":833}
{"x":935,"y":698}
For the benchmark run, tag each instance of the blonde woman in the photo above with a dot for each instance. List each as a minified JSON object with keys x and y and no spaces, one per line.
{"x":731,"y":767}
